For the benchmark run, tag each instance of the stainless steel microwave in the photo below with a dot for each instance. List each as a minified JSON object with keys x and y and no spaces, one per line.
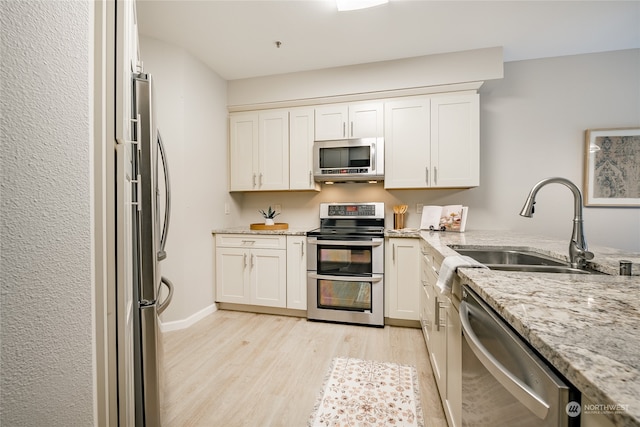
{"x":349,"y":160}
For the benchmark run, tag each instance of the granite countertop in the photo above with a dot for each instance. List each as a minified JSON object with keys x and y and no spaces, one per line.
{"x":587,"y":326}
{"x":246,"y":230}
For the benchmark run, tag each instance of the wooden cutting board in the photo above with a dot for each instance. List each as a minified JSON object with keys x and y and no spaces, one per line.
{"x":276,"y":226}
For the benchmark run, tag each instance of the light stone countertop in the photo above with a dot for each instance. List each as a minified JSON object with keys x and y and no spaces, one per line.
{"x":587,"y":326}
{"x":246,"y":230}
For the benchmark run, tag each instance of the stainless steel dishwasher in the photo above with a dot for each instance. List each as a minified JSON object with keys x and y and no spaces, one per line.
{"x":504,"y":382}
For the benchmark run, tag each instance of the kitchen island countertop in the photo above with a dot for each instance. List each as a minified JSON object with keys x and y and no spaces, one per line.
{"x":586,"y":326}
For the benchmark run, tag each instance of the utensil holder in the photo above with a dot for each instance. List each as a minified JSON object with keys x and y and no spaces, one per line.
{"x":398,"y":221}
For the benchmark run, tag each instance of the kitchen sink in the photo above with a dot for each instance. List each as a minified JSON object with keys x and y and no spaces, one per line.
{"x":509,"y":256}
{"x":541,"y":269}
{"x":518,"y":259}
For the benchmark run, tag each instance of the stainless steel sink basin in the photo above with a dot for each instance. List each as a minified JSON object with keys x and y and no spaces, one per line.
{"x":517,"y":259}
{"x":541,"y":269}
{"x":509,"y":256}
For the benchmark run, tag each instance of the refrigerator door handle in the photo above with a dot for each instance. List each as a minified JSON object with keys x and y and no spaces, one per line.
{"x":164,"y":304}
{"x":167,"y":210}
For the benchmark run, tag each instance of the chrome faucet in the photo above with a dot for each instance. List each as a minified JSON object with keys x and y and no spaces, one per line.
{"x":578,"y":253}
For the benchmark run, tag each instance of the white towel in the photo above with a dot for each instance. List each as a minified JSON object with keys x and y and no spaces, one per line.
{"x":449,"y":267}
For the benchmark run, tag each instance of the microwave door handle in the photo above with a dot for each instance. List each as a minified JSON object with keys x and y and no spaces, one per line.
{"x":373,"y":243}
{"x":513,"y":384}
{"x":374,"y":165}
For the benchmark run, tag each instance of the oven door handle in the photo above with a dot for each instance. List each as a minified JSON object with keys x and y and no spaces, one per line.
{"x":513,"y":384}
{"x":374,"y":243}
{"x":373,"y":278}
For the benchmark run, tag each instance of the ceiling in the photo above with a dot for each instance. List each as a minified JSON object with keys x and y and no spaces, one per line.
{"x":237,"y":38}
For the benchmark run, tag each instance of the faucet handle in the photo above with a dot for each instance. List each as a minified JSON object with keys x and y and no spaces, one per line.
{"x":587,"y":255}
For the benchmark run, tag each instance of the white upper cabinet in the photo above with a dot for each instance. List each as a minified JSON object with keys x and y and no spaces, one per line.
{"x":432,"y":142}
{"x":407,"y":140}
{"x":243,"y":141}
{"x":273,"y":151}
{"x":357,"y":120}
{"x":455,"y":141}
{"x":301,"y":127}
{"x":259,"y":151}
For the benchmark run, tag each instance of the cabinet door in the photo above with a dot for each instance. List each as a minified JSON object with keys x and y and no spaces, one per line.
{"x":296,"y":272}
{"x":455,"y":141}
{"x":439,"y":343}
{"x":331,"y":122}
{"x":268,"y":277}
{"x":273,"y":152}
{"x":407,"y":141}
{"x":427,"y":302}
{"x":232,"y":275}
{"x":453,"y":401}
{"x":402,"y":278}
{"x":243,"y":143}
{"x":366,"y":120}
{"x":301,"y":128}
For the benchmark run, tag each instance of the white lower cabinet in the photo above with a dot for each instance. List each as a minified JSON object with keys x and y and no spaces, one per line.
{"x":263,"y":270}
{"x":251,"y":269}
{"x":453,"y":400}
{"x":443,"y":335}
{"x":297,"y":272}
{"x":438,"y":350}
{"x":402,"y":270}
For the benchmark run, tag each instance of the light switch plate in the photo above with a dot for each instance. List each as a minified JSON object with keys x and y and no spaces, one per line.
{"x":419,"y":207}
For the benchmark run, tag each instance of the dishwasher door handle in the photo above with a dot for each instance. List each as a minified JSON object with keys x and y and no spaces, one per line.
{"x":513,"y":384}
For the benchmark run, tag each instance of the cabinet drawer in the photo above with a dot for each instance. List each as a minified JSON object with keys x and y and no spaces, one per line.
{"x":262,"y":241}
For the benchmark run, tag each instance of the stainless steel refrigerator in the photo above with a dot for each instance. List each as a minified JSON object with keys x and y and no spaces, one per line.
{"x":150,"y":194}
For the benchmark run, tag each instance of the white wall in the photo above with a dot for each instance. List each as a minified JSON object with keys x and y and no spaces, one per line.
{"x":402,"y":74}
{"x":47,"y":373}
{"x":532,"y":127}
{"x":191,"y":113}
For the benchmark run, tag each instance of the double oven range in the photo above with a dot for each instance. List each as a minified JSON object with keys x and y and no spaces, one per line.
{"x":345,"y":263}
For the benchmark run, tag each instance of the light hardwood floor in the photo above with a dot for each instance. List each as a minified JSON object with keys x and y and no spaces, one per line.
{"x":245,"y":369}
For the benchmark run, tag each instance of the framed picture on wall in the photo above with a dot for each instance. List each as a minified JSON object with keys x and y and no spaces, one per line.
{"x":612,"y":167}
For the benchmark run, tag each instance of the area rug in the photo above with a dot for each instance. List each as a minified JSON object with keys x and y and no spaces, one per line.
{"x":365,"y":393}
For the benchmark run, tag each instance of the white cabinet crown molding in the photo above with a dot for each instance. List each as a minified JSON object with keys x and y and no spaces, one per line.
{"x":470,"y":87}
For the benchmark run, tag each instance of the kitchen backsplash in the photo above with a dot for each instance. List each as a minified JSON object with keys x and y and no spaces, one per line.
{"x":300,"y":209}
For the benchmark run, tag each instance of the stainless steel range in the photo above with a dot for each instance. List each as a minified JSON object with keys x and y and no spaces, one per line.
{"x":345,"y":262}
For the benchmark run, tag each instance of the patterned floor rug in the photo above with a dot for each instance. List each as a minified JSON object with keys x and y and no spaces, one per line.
{"x":364,"y":393}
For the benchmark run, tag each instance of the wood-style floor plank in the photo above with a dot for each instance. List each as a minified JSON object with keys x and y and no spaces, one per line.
{"x":245,"y":369}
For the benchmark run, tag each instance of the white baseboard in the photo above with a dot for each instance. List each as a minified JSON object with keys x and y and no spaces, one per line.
{"x":185,"y":323}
